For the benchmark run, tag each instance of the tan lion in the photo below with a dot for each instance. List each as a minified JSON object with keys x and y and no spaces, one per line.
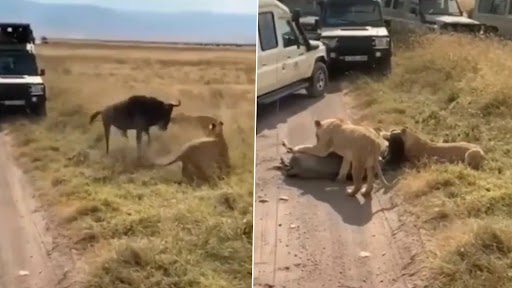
{"x":417,"y":148}
{"x":205,"y":158}
{"x":359,"y":145}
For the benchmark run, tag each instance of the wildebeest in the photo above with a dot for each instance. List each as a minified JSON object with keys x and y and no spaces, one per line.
{"x":307,"y":166}
{"x":394,"y":155}
{"x":139,"y":113}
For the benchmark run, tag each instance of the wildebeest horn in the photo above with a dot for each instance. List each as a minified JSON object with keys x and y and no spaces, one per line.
{"x":175,"y":105}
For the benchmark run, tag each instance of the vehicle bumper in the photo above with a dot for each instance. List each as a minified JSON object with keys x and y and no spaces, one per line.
{"x":369,"y":58}
{"x":19,"y":95}
{"x":21,"y":101}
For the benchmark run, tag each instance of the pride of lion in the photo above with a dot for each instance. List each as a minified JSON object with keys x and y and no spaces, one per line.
{"x":203,"y":160}
{"x":344,"y":146}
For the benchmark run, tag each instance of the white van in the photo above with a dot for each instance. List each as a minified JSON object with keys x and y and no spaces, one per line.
{"x":287,"y":60}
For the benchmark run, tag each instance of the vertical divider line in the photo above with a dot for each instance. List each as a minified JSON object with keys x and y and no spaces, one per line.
{"x":277,"y":206}
{"x":256,"y":47}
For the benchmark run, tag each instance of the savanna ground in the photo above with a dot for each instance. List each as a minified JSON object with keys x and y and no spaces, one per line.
{"x":131,"y":224}
{"x":453,"y":88}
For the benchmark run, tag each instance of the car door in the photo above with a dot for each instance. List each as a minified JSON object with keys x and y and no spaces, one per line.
{"x":292,"y":55}
{"x":268,"y":51}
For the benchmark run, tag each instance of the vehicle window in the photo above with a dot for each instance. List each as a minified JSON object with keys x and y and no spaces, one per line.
{"x":352,"y":14}
{"x":440,"y":7}
{"x":307,"y":7}
{"x":18,"y":64}
{"x":496,"y":7}
{"x":267,"y":31}
{"x":414,"y":6}
{"x":387,"y":3}
{"x":398,"y":4}
{"x":290,"y":37}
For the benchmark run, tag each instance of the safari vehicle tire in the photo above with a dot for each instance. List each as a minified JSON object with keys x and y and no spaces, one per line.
{"x":38,"y":110}
{"x":318,"y":81}
{"x":384,"y":67}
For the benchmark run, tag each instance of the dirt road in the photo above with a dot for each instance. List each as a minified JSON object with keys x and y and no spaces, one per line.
{"x":308,"y":233}
{"x":24,"y":241}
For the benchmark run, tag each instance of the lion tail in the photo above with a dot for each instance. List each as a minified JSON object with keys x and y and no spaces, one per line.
{"x":174,"y":160}
{"x":381,"y":176}
{"x":94,"y":116}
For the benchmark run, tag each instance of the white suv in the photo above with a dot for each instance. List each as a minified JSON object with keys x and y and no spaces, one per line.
{"x":287,"y":60}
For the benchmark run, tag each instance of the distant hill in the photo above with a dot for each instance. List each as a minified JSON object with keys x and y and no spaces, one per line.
{"x":94,"y":22}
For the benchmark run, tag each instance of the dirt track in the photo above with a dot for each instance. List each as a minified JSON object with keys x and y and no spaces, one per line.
{"x":24,"y":243}
{"x":314,"y":236}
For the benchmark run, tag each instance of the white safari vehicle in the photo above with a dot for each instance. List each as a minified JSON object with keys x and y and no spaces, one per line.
{"x":287,"y":60}
{"x":495,"y":13}
{"x":21,"y":84}
{"x":434,"y":15}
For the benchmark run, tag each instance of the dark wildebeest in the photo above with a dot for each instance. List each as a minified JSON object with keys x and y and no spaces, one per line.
{"x":139,"y":113}
{"x":307,"y":166}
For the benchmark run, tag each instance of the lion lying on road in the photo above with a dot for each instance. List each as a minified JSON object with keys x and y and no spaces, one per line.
{"x":360,"y":146}
{"x":417,"y":148}
{"x":205,"y":158}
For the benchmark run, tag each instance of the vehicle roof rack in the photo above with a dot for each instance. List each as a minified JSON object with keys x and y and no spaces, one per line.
{"x":16,"y":34}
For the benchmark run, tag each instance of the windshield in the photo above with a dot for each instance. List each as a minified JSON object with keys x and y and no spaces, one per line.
{"x":12,"y":64}
{"x":352,"y":14}
{"x":440,"y":7}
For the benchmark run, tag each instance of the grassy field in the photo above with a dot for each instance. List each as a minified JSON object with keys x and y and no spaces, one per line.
{"x":454,"y":88}
{"x":131,"y":224}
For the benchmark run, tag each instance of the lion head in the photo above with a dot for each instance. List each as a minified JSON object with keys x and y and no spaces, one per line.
{"x":411,"y":139}
{"x":323,"y":127}
{"x":215,"y":129}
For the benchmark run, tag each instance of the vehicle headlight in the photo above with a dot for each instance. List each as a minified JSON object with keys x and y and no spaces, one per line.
{"x":381,"y":42}
{"x":37,"y":89}
{"x":330,"y":42}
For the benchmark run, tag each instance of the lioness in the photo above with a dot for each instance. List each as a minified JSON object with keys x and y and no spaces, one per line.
{"x":195,"y":121}
{"x":204,"y":158}
{"x":359,"y":145}
{"x":417,"y":148}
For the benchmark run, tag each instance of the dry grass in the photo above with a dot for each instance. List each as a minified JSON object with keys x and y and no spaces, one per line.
{"x":133,"y":225}
{"x":454,"y":88}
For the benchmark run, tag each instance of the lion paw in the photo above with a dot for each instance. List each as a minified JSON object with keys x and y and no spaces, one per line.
{"x":351,"y":193}
{"x":368,"y":191}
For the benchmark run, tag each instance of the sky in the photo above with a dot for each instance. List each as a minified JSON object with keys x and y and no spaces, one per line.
{"x":236,"y":6}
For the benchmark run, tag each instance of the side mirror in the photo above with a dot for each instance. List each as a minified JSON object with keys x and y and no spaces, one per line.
{"x":296,"y":15}
{"x":317,"y":24}
{"x":413,"y":11}
{"x":42,"y":72}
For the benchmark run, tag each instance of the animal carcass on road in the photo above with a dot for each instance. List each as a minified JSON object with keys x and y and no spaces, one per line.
{"x":308,"y":166}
